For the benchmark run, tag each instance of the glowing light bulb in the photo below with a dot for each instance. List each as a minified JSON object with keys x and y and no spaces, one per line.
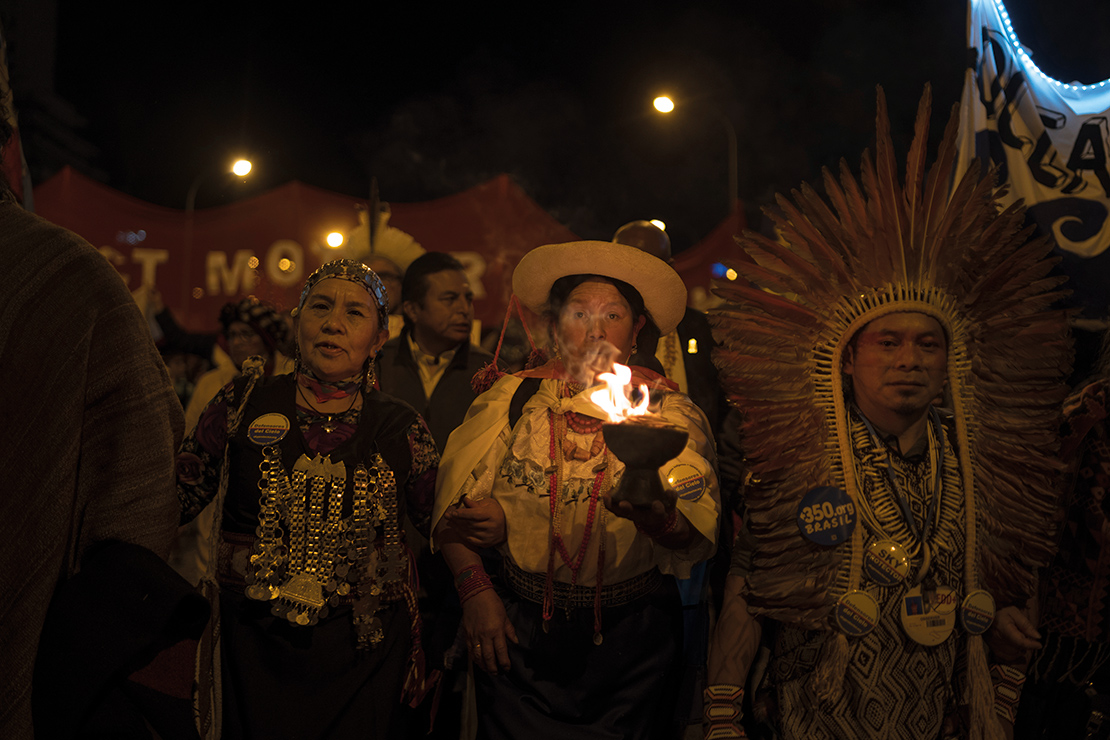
{"x":335,"y":240}
{"x":663,"y":104}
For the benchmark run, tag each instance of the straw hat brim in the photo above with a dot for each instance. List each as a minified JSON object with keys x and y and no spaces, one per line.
{"x":659,"y":285}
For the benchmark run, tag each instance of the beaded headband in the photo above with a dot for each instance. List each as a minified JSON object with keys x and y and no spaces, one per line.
{"x":355,"y":272}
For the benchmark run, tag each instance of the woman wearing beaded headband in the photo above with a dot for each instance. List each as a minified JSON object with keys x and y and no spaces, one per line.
{"x":582,"y":638}
{"x":311,"y":473}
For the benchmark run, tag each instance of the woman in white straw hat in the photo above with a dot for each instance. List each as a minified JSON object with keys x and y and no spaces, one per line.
{"x":582,"y":631}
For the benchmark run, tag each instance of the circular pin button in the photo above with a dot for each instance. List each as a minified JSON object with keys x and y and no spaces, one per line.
{"x":886,"y":563}
{"x":857,"y":613}
{"x":268,"y":429}
{"x":827,"y":516}
{"x":977,"y":612}
{"x":928,"y":618}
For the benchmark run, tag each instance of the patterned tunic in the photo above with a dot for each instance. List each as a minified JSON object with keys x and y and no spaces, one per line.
{"x":894,"y":687}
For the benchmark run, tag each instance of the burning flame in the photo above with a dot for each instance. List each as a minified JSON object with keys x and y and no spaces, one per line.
{"x":614,"y":399}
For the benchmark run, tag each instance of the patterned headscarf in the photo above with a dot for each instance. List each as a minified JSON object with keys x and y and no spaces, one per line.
{"x":356,"y":272}
{"x":262,"y":317}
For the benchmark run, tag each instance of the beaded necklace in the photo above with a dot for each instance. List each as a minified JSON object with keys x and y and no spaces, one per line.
{"x":886,"y":508}
{"x":331,"y":421}
{"x":581,"y":424}
{"x":558,"y":451}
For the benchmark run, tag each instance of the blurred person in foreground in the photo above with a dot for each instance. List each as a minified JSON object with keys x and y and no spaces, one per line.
{"x":91,"y":421}
{"x":583,"y":637}
{"x":311,"y":474}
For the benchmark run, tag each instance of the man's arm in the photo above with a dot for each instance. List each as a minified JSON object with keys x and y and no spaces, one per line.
{"x":1013,"y":639}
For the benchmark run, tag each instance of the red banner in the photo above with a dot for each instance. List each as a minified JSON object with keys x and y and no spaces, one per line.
{"x":267,"y":245}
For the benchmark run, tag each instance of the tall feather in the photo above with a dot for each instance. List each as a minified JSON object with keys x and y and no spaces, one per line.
{"x":915,"y":174}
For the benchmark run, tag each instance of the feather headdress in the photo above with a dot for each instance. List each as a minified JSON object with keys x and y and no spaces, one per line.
{"x":872,"y":248}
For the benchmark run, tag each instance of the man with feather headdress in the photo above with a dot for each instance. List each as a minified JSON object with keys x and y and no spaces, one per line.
{"x":885,"y":537}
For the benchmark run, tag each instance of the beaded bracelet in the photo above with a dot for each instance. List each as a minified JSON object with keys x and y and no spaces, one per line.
{"x":722,"y":711}
{"x":669,"y":525}
{"x":470,"y":581}
{"x":1007,"y":690}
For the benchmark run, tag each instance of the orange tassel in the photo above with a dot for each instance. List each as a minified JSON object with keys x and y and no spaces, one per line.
{"x":484,"y":379}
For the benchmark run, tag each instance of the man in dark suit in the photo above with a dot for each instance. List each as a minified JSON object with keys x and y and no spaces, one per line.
{"x":430,"y":365}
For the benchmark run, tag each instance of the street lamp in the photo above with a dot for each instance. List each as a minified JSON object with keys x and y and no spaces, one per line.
{"x":665,"y":104}
{"x":240,"y":167}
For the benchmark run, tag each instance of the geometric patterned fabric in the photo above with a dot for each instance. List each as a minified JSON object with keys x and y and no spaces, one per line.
{"x":894,"y":687}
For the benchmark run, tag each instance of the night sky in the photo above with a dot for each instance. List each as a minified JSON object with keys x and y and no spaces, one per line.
{"x":432,"y":101}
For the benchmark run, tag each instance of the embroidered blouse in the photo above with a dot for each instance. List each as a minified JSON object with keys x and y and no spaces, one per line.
{"x":520,"y":459}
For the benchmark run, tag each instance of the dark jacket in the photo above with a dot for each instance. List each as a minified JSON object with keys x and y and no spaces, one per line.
{"x":399,"y":376}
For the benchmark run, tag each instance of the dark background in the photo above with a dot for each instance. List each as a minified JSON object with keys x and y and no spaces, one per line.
{"x":432,"y":100}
